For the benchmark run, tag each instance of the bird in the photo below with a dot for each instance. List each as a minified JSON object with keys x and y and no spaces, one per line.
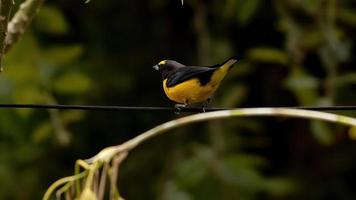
{"x":186,"y":85}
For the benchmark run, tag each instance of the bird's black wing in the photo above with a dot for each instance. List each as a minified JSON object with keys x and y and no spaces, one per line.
{"x":203,"y":74}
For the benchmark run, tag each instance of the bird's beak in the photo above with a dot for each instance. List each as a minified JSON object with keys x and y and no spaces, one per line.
{"x":156,"y":67}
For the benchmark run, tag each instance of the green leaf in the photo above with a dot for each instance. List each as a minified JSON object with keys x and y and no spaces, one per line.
{"x":241,"y":171}
{"x":246,"y":10}
{"x":298,"y":79}
{"x":237,"y":161}
{"x":312,"y":38}
{"x":172,"y":192}
{"x":244,"y":177}
{"x":234,"y":95}
{"x":322,"y":132}
{"x":63,"y":54}
{"x":268,"y":55}
{"x":222,"y":49}
{"x":28,"y":94}
{"x":190,"y":172}
{"x":6,"y":89}
{"x":22,"y":74}
{"x":279,"y":186}
{"x":72,"y":83}
{"x":335,"y":50}
{"x":345,"y":79}
{"x":42,"y":132}
{"x":347,"y":16}
{"x":304,"y":86}
{"x":29,"y":59}
{"x":51,"y":20}
{"x":70,"y":116}
{"x":311,"y":6}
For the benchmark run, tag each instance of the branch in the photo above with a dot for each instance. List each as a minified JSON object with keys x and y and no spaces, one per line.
{"x":5,"y":10}
{"x":121,"y":151}
{"x":108,"y":153}
{"x":21,"y":21}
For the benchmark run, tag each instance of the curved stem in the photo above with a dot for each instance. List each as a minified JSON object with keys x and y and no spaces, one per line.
{"x":108,"y":153}
{"x":62,"y":181}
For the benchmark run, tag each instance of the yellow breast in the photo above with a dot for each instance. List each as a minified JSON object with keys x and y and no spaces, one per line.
{"x":189,"y":91}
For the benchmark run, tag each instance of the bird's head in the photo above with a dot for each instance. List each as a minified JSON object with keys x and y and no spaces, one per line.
{"x":166,"y":67}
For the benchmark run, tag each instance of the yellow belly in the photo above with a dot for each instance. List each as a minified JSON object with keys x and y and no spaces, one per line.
{"x":190,"y":91}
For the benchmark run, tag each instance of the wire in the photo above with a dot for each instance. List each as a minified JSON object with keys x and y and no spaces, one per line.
{"x":150,"y":108}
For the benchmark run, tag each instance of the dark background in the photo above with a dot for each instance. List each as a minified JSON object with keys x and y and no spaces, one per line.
{"x":291,"y":53}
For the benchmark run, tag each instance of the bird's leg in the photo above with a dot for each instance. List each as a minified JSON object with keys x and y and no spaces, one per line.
{"x":178,"y":107}
{"x":205,"y":104}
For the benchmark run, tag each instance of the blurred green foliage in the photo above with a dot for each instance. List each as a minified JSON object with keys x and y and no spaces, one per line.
{"x":292,"y":53}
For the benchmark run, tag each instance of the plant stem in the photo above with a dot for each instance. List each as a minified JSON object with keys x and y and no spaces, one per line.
{"x":5,"y":10}
{"x":119,"y":152}
{"x":62,"y":181}
{"x":102,"y":183}
{"x":108,"y":153}
{"x":21,"y":21}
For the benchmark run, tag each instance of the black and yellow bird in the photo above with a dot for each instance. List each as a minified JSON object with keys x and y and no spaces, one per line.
{"x":192,"y":84}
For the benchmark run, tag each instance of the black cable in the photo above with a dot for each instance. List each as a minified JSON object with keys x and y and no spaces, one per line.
{"x":149,"y":108}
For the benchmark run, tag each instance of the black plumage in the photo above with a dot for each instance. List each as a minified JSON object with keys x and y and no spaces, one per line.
{"x":179,"y":75}
{"x":176,"y":72}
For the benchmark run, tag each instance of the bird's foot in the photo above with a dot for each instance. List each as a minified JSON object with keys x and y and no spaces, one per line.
{"x":205,"y":104}
{"x":178,"y":108}
{"x":203,"y":109}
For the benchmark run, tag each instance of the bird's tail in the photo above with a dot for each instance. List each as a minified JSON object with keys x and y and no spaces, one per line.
{"x":228,"y":64}
{"x":224,"y":68}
